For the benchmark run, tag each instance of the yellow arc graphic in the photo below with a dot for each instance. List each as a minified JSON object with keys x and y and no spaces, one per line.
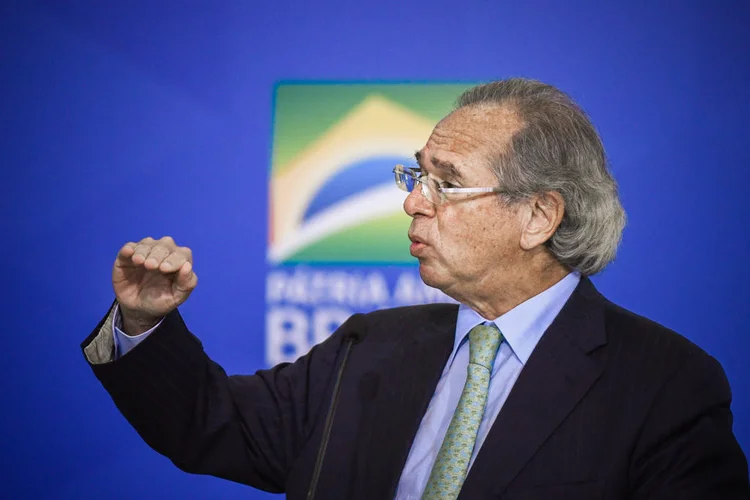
{"x":375,"y":127}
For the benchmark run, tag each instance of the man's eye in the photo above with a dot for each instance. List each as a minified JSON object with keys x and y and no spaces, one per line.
{"x":446,"y":185}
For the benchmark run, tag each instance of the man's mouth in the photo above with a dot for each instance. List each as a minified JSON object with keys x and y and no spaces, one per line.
{"x":417,"y":245}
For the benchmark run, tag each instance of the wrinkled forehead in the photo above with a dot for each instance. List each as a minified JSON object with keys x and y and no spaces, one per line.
{"x":470,"y":136}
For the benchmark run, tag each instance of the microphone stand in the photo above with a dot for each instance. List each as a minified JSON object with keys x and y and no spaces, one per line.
{"x":351,"y":339}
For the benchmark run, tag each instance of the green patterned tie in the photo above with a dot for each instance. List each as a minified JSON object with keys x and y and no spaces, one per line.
{"x":452,"y":462}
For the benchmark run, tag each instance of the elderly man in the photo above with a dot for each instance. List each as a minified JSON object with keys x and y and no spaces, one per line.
{"x":534,"y":387}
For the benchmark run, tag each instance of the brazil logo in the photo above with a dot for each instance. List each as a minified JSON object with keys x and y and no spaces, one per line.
{"x":337,"y":241}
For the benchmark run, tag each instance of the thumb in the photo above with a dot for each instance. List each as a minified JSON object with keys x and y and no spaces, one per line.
{"x":186,"y":279}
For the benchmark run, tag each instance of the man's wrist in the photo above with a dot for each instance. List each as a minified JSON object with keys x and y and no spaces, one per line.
{"x":133,"y":324}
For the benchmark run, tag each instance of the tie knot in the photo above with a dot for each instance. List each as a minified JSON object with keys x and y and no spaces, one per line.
{"x":483,"y":343}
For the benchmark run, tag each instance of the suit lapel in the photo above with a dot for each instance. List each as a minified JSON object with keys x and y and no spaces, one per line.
{"x":556,"y":376}
{"x":409,"y":376}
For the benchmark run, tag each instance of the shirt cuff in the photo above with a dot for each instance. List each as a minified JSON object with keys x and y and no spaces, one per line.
{"x":125,"y":343}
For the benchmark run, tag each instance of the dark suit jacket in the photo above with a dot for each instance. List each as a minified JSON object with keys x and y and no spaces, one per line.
{"x":610,"y":405}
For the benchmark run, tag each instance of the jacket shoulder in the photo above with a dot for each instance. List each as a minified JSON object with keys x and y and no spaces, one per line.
{"x":395,"y":319}
{"x":415,"y":311}
{"x":651,"y":346}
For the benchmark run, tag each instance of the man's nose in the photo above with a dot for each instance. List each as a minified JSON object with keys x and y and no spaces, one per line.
{"x":416,"y":204}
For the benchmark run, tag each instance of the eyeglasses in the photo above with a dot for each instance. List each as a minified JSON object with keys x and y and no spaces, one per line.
{"x":407,"y":179}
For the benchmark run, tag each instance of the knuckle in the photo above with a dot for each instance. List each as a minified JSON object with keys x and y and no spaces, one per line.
{"x":155,"y":251}
{"x":164,"y":255}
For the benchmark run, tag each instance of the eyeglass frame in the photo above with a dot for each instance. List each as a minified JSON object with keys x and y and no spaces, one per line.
{"x":442,"y":191}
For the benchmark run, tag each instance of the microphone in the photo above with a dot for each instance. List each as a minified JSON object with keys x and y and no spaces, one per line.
{"x":356,"y":329}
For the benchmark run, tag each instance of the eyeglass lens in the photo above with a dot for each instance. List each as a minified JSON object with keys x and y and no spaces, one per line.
{"x":407,"y":181}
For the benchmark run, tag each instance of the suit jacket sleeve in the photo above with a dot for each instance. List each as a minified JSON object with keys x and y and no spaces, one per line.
{"x":686,"y":449}
{"x":247,"y":429}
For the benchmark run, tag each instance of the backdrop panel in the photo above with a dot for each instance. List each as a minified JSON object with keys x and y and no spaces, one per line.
{"x":153,"y":118}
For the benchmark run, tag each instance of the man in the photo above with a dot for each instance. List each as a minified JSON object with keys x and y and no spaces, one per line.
{"x":535,"y":387}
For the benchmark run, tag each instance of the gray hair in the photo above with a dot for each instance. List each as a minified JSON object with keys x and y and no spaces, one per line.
{"x":557,"y":149}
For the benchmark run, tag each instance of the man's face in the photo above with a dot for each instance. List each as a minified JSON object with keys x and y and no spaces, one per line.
{"x":466,"y":242}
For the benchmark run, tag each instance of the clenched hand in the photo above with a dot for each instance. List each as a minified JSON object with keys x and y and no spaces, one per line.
{"x":151,"y":278}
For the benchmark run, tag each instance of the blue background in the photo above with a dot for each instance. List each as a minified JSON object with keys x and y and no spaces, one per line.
{"x":122,"y":120}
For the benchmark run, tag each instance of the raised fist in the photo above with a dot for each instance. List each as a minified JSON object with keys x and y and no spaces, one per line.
{"x":151,"y":278}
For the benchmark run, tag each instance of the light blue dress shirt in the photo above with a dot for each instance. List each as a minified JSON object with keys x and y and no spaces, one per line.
{"x":522,"y":327}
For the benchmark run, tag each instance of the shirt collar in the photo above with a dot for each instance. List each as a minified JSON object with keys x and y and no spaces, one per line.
{"x":523,"y":326}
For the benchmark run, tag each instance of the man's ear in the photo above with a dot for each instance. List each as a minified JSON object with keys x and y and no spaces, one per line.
{"x":546,"y":213}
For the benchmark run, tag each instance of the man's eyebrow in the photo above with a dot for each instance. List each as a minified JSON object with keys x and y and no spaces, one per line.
{"x":447,"y":167}
{"x":418,"y":158}
{"x":442,"y":165}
